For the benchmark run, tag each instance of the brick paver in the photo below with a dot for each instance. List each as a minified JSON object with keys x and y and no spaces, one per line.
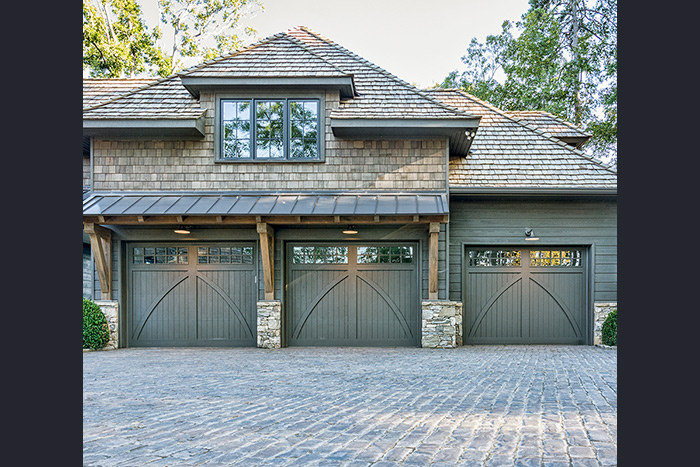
{"x":471,"y":406}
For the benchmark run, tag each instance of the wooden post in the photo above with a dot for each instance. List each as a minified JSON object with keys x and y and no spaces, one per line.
{"x":433,"y":261}
{"x":267,"y":250}
{"x":101,"y":242}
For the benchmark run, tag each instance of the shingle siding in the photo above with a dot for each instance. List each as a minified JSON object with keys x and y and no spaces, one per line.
{"x":401,"y":165}
{"x":563,"y":222}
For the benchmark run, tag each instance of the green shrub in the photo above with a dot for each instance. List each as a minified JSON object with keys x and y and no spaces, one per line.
{"x":95,"y":327}
{"x":610,"y":328}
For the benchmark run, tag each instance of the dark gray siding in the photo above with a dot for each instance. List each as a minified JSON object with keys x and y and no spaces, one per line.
{"x":566,"y":222}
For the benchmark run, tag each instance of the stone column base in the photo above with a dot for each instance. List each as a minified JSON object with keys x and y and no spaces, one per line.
{"x":600,"y":312}
{"x":441,"y":324}
{"x":270,"y":324}
{"x":111,"y":310}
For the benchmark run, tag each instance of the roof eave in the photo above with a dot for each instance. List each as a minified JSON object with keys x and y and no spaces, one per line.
{"x":192,"y":127}
{"x":537,"y":192}
{"x":344,"y":84}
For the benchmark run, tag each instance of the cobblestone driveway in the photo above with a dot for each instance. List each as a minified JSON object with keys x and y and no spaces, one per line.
{"x":470,"y":406}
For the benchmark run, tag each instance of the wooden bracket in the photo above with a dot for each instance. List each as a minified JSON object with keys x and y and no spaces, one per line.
{"x":267,"y":250}
{"x":101,"y":242}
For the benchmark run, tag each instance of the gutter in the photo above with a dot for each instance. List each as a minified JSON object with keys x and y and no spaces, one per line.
{"x":531,"y":191}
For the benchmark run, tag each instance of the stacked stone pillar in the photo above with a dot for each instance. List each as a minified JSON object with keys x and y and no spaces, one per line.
{"x":441,"y":324}
{"x":270,"y":324}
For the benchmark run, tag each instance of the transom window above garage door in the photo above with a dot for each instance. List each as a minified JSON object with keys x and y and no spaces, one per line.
{"x":501,"y":258}
{"x":343,"y":254}
{"x":160,"y":255}
{"x":224,"y":255}
{"x":320,"y":255}
{"x":556,"y":258}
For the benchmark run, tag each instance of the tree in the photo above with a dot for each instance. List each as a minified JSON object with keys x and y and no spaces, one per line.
{"x":563,"y":61}
{"x":204,"y":29}
{"x":116,"y":42}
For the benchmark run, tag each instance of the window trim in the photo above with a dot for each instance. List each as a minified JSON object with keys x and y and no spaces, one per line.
{"x":219,"y":98}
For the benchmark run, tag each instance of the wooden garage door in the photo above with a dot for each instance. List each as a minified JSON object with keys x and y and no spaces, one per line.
{"x":191,"y":295}
{"x":360,"y":295}
{"x":525,"y":296}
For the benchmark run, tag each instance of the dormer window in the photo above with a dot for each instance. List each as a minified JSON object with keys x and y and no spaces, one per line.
{"x":269,"y":129}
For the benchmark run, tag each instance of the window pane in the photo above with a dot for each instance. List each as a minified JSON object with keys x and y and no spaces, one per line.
{"x":235,"y":129}
{"x":269,"y":132}
{"x":303,"y":129}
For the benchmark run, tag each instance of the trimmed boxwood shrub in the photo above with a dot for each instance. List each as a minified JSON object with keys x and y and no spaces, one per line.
{"x":95,"y":327}
{"x":610,"y":328}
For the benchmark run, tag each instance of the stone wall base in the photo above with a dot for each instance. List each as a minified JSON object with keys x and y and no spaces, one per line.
{"x":111,"y":310}
{"x":441,"y":324}
{"x":600,"y":312}
{"x":270,"y":324}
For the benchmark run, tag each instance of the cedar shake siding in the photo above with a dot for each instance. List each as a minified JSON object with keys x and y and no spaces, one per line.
{"x":182,"y":165}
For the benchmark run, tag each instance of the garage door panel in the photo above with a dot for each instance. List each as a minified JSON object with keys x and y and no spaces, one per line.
{"x":160,"y":305}
{"x":220,"y":317}
{"x":382,"y":308}
{"x":525,"y":295}
{"x":319,"y":296}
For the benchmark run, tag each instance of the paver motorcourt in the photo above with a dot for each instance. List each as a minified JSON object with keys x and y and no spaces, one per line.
{"x":470,"y":406}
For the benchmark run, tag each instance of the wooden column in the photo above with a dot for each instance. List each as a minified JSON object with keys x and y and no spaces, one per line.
{"x":267,"y":250}
{"x":101,"y":242}
{"x":433,"y":261}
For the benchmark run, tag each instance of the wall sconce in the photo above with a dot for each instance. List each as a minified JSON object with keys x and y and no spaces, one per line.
{"x":183,"y":229}
{"x":350,"y":230}
{"x":530,"y":235}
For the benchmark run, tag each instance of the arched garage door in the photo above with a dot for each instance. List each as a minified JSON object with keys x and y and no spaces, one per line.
{"x":191,"y":295}
{"x":518,"y":295}
{"x":355,"y":295}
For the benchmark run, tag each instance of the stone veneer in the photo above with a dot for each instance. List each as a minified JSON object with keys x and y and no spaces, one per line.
{"x":441,"y":324}
{"x":270,"y":324}
{"x":600,"y":312}
{"x":111,"y":310}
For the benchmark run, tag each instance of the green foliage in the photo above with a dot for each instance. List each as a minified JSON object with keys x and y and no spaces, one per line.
{"x":610,"y":328}
{"x":95,"y":327}
{"x":561,"y":57}
{"x":204,"y":29}
{"x":116,"y":42}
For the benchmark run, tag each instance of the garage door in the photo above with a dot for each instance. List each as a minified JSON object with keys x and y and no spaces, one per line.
{"x":360,"y":295}
{"x":191,"y":295}
{"x":525,"y":296}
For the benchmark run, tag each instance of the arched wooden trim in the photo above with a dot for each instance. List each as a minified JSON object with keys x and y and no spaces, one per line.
{"x":490,"y":303}
{"x":314,"y":303}
{"x":392,"y":305}
{"x":232,"y":305}
{"x":562,"y":305}
{"x":154,"y":303}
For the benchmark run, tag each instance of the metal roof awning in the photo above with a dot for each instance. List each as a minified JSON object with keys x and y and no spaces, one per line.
{"x":163,"y":208}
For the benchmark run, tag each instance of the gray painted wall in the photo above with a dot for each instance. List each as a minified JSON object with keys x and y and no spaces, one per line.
{"x":566,"y":222}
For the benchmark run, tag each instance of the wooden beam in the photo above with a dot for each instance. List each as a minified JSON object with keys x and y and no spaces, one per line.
{"x":101,"y":242}
{"x":433,"y":261}
{"x":267,"y":250}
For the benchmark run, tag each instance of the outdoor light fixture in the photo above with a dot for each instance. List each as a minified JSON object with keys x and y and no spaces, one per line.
{"x":530,"y":235}
{"x":183,"y":230}
{"x":350,"y":230}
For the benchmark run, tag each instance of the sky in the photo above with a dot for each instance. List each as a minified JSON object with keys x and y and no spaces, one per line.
{"x":421,"y":42}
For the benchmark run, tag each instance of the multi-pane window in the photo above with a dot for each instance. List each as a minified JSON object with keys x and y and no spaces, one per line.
{"x":224,"y":255}
{"x":320,"y":255}
{"x":384,"y":254}
{"x":562,"y":258}
{"x":486,"y":258}
{"x":277,"y":129}
{"x":160,"y":255}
